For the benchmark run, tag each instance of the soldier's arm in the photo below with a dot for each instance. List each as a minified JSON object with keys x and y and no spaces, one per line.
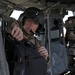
{"x":14,"y":29}
{"x":43,"y":51}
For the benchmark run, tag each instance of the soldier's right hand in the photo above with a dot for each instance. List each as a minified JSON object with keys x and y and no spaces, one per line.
{"x":17,"y":32}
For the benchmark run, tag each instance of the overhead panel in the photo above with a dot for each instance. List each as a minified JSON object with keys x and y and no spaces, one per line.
{"x":62,"y":1}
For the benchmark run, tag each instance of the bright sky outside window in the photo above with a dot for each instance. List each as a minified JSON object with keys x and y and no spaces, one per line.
{"x":0,"y":23}
{"x":15,"y":14}
{"x":70,"y":13}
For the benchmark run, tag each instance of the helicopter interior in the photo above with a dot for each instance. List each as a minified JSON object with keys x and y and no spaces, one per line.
{"x":58,"y":46}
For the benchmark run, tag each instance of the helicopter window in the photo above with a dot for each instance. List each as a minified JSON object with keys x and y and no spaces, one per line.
{"x":70,"y":13}
{"x":0,"y":23}
{"x":16,"y":13}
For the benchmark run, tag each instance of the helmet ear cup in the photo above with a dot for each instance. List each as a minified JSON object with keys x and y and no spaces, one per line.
{"x":21,"y":19}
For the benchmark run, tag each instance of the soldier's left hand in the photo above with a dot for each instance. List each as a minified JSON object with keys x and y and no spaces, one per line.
{"x":43,"y":52}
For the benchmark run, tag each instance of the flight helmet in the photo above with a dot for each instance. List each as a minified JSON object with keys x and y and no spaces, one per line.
{"x":36,"y":15}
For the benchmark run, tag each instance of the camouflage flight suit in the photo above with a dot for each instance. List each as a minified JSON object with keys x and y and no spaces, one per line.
{"x":39,"y":43}
{"x":32,"y":39}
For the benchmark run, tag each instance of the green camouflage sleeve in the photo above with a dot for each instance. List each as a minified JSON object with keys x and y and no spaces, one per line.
{"x":10,"y":22}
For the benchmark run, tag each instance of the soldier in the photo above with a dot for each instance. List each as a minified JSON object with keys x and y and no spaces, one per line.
{"x":31,"y":22}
